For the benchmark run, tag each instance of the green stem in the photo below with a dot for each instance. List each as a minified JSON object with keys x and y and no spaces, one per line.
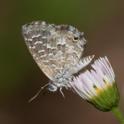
{"x":116,"y":111}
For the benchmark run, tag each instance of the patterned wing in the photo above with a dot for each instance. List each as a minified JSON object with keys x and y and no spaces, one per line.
{"x":36,"y":37}
{"x":54,"y":48}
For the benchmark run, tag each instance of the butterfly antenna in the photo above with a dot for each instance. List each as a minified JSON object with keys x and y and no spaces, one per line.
{"x":37,"y":94}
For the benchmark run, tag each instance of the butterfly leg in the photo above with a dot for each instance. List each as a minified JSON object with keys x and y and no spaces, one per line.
{"x":61,"y":92}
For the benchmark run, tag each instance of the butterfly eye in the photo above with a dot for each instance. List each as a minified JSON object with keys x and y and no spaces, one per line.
{"x":52,"y":87}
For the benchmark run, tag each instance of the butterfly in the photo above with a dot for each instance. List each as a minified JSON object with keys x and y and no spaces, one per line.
{"x":57,"y":50}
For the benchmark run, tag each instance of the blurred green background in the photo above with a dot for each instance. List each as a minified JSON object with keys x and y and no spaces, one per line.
{"x":20,"y":78}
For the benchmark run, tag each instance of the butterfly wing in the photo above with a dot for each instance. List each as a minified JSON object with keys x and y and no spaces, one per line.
{"x":53,"y":47}
{"x":36,"y":37}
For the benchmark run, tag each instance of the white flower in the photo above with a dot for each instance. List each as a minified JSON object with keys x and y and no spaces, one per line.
{"x":98,"y":85}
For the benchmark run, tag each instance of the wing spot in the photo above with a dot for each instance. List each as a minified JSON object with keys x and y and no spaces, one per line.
{"x":38,"y":42}
{"x":32,"y":47}
{"x":34,"y":36}
{"x":41,"y":51}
